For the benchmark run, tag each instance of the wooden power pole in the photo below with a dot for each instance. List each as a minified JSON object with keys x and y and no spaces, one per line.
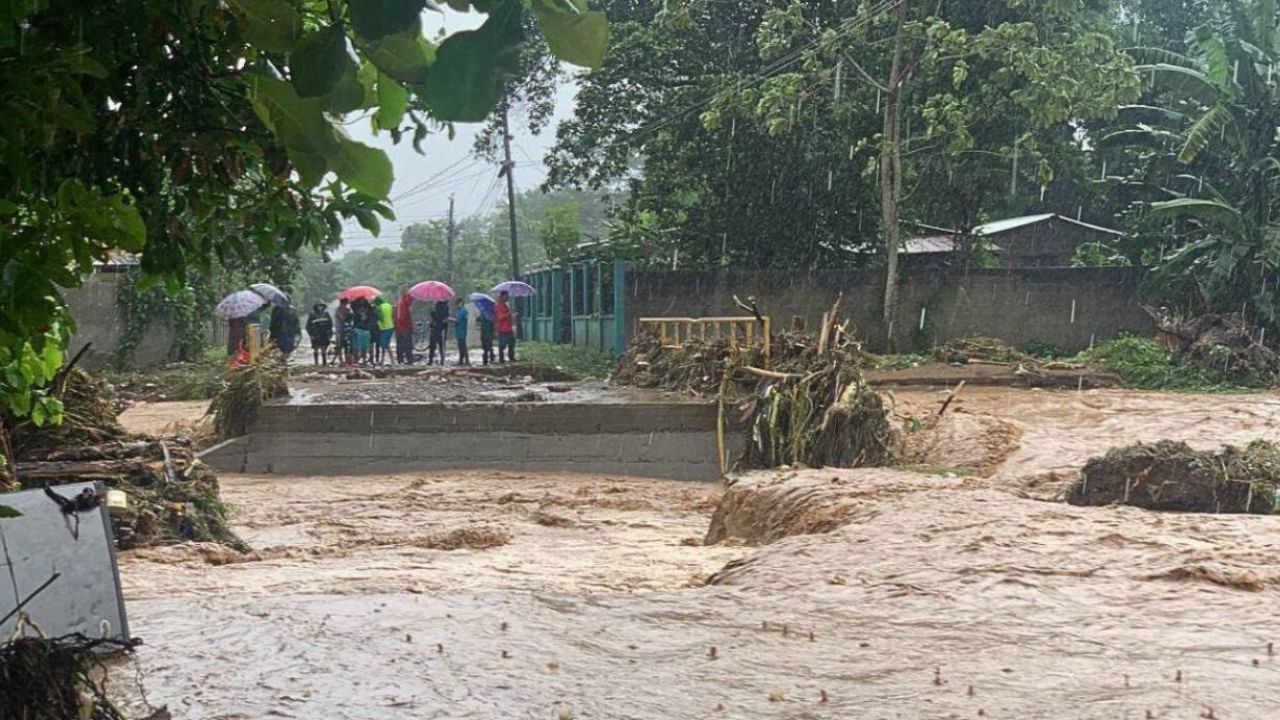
{"x":448,"y":242}
{"x":508,"y":167}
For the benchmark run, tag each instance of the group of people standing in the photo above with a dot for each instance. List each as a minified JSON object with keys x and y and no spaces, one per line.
{"x":360,"y":332}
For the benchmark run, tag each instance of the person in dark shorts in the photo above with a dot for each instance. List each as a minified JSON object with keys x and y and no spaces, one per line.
{"x":459,"y":320}
{"x":439,"y":323}
{"x":485,"y":323}
{"x":285,"y":329}
{"x":320,"y":330}
{"x":342,"y":324}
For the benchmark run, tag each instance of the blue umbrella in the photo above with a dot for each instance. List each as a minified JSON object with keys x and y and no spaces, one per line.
{"x":483,"y":303}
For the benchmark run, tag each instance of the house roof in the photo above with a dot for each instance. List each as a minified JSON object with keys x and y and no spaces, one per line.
{"x":928,"y":244}
{"x":1001,"y":226}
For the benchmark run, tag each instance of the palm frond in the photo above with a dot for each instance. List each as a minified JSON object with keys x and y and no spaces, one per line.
{"x":1212,"y":52}
{"x":1158,"y":56}
{"x":1203,"y":132}
{"x":1154,"y":111}
{"x":1140,"y":133}
{"x":1210,"y":213}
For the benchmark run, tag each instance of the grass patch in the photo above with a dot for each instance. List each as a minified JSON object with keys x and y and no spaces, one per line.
{"x":1144,"y":364}
{"x":577,"y":361}
{"x":902,"y":362}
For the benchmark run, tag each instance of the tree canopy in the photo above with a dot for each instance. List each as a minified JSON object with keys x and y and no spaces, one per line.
{"x":193,"y":131}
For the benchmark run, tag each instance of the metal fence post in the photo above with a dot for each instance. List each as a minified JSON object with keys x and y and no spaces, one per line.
{"x":619,"y":306}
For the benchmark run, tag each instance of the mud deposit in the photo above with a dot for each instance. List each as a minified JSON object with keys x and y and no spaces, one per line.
{"x":880,"y":594}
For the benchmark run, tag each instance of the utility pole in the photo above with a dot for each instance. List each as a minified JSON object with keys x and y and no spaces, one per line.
{"x":448,"y":242}
{"x":508,"y":167}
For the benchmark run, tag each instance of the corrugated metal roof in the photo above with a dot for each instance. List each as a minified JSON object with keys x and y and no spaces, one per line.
{"x":928,"y":244}
{"x":1000,"y":226}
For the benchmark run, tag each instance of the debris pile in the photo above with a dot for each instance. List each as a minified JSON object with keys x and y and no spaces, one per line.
{"x":1226,"y":344}
{"x":1171,"y":476}
{"x":171,"y":496}
{"x":983,"y":349}
{"x":805,"y":403}
{"x":88,"y":416}
{"x":246,"y":389}
{"x":54,"y":679}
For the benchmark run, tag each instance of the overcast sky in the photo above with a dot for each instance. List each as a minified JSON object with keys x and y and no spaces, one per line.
{"x":421,"y":192}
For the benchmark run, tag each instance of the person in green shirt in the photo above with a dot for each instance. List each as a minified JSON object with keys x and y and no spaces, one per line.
{"x":386,"y":328}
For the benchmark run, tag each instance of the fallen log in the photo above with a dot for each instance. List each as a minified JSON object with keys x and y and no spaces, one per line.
{"x":63,"y":469}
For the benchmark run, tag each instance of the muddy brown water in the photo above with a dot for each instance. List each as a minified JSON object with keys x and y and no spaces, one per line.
{"x":942,"y":597}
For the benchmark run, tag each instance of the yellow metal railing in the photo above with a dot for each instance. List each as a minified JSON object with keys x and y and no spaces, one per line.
{"x":673,"y":332}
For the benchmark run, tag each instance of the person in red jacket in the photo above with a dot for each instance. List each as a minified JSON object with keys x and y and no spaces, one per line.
{"x":404,"y":331}
{"x":504,"y":324}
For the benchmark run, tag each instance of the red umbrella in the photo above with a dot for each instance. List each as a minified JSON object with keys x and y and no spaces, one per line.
{"x":431,"y":291}
{"x":359,"y":291}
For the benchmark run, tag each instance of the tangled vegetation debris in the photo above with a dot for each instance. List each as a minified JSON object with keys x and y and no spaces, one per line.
{"x":54,"y":679}
{"x":1171,"y":476}
{"x":246,"y":388}
{"x":806,"y":403}
{"x":172,"y":496}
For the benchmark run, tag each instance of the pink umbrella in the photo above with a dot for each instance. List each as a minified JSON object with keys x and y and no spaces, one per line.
{"x":359,"y":291}
{"x":431,"y":291}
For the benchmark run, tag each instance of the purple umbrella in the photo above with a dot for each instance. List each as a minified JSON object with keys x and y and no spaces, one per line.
{"x":514,"y":288}
{"x":431,"y":291}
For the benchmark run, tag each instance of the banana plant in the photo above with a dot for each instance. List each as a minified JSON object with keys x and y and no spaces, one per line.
{"x":1217,"y":118}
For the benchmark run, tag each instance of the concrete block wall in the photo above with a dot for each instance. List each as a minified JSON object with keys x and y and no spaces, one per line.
{"x":675,"y":440}
{"x":1015,"y":305}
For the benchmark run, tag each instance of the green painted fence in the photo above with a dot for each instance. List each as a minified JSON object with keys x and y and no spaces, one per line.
{"x":580,"y":303}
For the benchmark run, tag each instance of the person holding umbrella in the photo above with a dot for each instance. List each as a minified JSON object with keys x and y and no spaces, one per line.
{"x":285,"y":328}
{"x":484,"y":320}
{"x":504,"y":323}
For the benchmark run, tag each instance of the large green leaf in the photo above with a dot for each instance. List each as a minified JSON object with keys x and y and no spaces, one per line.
{"x":353,"y":91}
{"x":1158,"y":56}
{"x":472,"y":68}
{"x":1209,"y":212}
{"x":8,"y":512}
{"x":299,"y":123}
{"x":364,"y":168}
{"x":319,"y":62}
{"x":1191,"y":82}
{"x":393,"y":101}
{"x":374,"y":19}
{"x":271,"y":25}
{"x":404,"y":56}
{"x":1205,"y":130}
{"x":578,"y":38}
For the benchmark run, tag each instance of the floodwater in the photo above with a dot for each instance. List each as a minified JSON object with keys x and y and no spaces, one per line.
{"x":940,"y":594}
{"x":457,"y":385}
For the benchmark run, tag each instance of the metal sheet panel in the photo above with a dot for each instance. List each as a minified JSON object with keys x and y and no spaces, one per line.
{"x":80,"y":548}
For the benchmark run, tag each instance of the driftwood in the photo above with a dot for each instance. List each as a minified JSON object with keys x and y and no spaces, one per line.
{"x":63,"y":469}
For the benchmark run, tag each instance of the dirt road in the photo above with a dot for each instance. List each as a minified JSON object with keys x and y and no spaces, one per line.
{"x":936,"y":594}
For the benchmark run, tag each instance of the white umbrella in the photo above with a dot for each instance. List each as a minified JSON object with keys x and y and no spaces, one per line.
{"x":272,"y":293}
{"x":239,"y":304}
